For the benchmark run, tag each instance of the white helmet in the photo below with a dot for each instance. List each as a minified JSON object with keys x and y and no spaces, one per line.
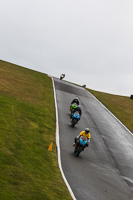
{"x":87,"y":130}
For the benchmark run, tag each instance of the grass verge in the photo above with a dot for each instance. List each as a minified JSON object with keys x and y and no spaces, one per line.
{"x":27,"y":127}
{"x":120,"y":106}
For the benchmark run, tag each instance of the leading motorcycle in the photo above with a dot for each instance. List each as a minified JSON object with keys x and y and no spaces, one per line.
{"x":62,"y":76}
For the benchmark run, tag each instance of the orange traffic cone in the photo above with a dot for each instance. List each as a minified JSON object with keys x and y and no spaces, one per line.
{"x":50,"y":147}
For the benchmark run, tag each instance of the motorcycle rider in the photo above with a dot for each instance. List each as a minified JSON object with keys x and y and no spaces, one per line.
{"x":76,"y":100}
{"x":77,"y":109}
{"x":62,"y":76}
{"x":86,"y":133}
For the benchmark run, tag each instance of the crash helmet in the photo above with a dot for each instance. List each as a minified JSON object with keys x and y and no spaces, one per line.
{"x":87,"y":130}
{"x":74,"y":105}
{"x":77,"y":98}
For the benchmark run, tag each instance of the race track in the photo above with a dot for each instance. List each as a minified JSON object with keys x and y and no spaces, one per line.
{"x":104,"y":171}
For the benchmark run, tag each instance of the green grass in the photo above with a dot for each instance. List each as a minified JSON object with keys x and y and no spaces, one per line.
{"x":28,"y":171}
{"x":120,"y":106}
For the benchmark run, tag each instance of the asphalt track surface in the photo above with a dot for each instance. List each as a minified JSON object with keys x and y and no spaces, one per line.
{"x":104,"y":171}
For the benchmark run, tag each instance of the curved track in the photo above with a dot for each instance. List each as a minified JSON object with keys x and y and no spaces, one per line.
{"x":104,"y":171}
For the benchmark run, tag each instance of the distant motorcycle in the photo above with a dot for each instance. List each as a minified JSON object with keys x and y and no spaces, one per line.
{"x":75,"y":118}
{"x":62,"y":76}
{"x":79,"y":145}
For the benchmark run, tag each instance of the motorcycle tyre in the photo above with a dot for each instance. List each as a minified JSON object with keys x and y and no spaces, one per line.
{"x":78,"y":151}
{"x":73,"y":123}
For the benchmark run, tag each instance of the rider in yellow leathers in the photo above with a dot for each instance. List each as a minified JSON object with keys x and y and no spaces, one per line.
{"x":86,"y":133}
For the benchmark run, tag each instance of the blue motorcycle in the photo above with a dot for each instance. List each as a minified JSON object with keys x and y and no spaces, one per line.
{"x":79,"y":145}
{"x":75,"y":118}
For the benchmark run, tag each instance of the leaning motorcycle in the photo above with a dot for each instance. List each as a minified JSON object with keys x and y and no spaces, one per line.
{"x":62,"y":76}
{"x":79,"y":145}
{"x":75,"y":118}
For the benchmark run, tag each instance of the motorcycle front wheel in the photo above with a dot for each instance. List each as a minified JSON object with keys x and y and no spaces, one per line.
{"x":77,"y":151}
{"x":74,"y":122}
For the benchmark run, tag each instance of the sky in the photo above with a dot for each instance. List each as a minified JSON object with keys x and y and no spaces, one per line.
{"x":90,"y":41}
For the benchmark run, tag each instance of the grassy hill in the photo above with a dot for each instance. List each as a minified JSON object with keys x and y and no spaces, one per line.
{"x":27,"y":127}
{"x":28,"y":171}
{"x":120,"y":106}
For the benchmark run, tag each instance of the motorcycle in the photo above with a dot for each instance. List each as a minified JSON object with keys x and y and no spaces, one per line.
{"x":75,"y":118}
{"x":79,"y":145}
{"x":62,"y":76}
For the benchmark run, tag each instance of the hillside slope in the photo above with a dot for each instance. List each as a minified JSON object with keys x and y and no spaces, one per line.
{"x":27,"y":128}
{"x":120,"y":106}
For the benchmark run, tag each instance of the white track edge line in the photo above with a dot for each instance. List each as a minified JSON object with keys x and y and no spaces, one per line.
{"x":58,"y":144}
{"x":111,"y":114}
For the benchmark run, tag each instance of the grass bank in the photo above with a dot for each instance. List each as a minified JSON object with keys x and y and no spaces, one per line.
{"x":120,"y":106}
{"x":27,"y":127}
